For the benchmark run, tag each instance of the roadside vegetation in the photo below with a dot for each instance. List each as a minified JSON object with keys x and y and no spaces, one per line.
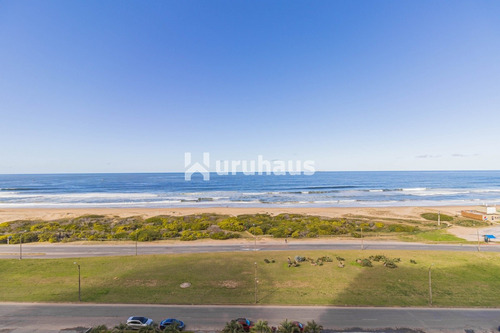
{"x":261,"y":326}
{"x":343,"y":278}
{"x":192,"y":227}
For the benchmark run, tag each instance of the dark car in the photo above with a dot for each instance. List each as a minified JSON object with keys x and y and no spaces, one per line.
{"x":245,"y":323}
{"x":170,"y":322}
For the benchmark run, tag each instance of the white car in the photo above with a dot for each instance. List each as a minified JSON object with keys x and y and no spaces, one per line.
{"x":139,"y":322}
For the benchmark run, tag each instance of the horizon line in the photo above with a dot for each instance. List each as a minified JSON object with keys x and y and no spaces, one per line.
{"x":237,"y":173}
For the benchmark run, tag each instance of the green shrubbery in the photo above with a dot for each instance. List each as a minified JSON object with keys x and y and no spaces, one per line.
{"x":434,"y":217}
{"x":189,"y":227}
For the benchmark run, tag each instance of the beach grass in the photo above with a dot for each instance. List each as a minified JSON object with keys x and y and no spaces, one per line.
{"x":458,"y":279}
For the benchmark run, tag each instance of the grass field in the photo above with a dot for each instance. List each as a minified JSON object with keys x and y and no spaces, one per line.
{"x":458,"y":279}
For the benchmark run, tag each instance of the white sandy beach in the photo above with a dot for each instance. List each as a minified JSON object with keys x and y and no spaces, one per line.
{"x":394,"y":212}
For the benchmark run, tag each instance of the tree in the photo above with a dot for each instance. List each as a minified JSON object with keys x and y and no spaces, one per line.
{"x":148,"y":329}
{"x":313,"y":327}
{"x":233,"y":327}
{"x":288,"y":327}
{"x":120,"y":328}
{"x":261,"y":326}
{"x":99,"y":329}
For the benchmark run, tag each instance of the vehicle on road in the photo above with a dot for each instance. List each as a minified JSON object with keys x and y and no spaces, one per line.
{"x":245,"y":323}
{"x":139,"y":322}
{"x":170,"y":322}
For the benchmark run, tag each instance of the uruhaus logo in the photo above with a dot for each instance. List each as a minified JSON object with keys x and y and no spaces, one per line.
{"x":260,"y":166}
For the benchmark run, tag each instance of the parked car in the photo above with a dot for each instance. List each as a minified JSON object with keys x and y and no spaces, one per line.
{"x":299,"y":325}
{"x":139,"y":322}
{"x":246,"y":323}
{"x":170,"y":322}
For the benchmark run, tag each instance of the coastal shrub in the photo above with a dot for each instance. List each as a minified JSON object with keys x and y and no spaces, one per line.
{"x":98,"y":226}
{"x":471,"y":223}
{"x":299,"y":258}
{"x":279,"y":232}
{"x":156,"y":220}
{"x":169,"y":234}
{"x":145,"y":235}
{"x":366,"y":263}
{"x":188,"y":235}
{"x":231,"y":224}
{"x":219,"y":235}
{"x":312,"y":234}
{"x":172,"y":226}
{"x":434,"y":217}
{"x":3,"y":239}
{"x":402,"y":228}
{"x":203,"y":225}
{"x":256,"y":231}
{"x":390,"y":264}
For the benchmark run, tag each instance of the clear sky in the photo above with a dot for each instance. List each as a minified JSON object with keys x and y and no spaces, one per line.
{"x":130,"y":86}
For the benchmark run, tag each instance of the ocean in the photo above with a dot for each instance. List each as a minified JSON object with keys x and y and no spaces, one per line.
{"x":323,"y":189}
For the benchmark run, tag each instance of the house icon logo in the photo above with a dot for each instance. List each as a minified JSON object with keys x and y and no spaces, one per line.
{"x":192,"y":168}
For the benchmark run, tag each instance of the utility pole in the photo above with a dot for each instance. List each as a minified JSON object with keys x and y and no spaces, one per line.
{"x":478,"y":244}
{"x":254,"y":239}
{"x":439,"y":218}
{"x":21,"y":246}
{"x":362,"y":243}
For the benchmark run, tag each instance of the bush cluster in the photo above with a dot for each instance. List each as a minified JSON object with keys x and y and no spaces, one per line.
{"x":190,"y":227}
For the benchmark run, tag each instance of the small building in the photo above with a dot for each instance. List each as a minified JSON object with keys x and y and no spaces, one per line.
{"x":490,"y":215}
{"x":491,"y":210}
{"x":475,"y":215}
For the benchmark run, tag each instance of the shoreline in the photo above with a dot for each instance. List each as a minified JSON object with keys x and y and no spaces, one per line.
{"x":406,"y":212}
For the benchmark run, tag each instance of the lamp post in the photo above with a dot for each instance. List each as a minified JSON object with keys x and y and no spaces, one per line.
{"x":21,"y":245}
{"x":478,"y":244}
{"x":362,"y":243}
{"x":79,"y":283}
{"x":254,"y":239}
{"x":430,"y":285}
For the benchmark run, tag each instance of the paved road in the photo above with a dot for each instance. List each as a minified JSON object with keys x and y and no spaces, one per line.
{"x":24,"y":318}
{"x":73,"y":251}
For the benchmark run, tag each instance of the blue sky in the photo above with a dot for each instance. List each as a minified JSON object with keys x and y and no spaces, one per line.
{"x":129,"y":86}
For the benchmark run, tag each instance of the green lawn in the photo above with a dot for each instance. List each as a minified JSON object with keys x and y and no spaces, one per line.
{"x":438,"y":235}
{"x":458,"y":279}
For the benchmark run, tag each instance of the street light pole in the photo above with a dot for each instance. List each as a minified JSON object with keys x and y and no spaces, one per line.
{"x":478,"y":244}
{"x":254,"y":239}
{"x":79,"y":283}
{"x":21,"y":246}
{"x":362,"y":243}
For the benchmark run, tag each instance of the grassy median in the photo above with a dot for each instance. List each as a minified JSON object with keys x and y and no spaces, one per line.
{"x":458,"y":279}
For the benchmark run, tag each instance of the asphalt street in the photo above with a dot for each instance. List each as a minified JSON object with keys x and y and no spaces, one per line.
{"x":28,"y":317}
{"x":46,"y":251}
